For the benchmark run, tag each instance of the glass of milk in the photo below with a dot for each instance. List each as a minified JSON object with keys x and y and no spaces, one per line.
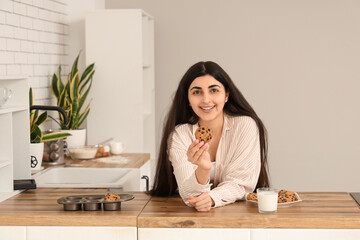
{"x":267,"y":200}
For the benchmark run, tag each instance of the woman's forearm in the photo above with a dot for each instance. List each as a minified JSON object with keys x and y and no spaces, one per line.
{"x":202,"y":175}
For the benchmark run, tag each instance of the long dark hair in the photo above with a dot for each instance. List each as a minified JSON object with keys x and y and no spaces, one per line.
{"x":180,"y":112}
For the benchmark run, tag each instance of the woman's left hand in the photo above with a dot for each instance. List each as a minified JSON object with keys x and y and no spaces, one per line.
{"x":202,"y":203}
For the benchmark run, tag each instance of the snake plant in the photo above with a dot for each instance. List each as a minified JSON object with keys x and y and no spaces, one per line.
{"x":36,"y":136}
{"x":71,"y":96}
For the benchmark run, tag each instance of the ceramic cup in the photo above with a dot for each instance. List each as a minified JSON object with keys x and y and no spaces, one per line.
{"x":5,"y":94}
{"x":116,"y":147}
{"x":267,"y":200}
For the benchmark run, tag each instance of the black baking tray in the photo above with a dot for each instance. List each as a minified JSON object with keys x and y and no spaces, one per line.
{"x":92,"y":202}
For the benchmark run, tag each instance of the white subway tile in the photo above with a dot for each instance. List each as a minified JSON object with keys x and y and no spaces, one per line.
{"x":38,"y":24}
{"x":33,"y":35}
{"x":65,"y":2}
{"x":49,"y":48}
{"x":13,"y":69}
{"x":64,"y":59}
{"x":44,"y":58}
{"x":45,"y":37}
{"x":44,"y":14}
{"x":39,"y":47}
{"x":41,"y":70}
{"x":20,"y":8}
{"x":21,"y":33}
{"x":7,"y":5}
{"x":62,"y":18}
{"x":27,"y":46}
{"x":12,"y":19}
{"x":36,"y":93}
{"x":28,"y":2}
{"x":38,"y":3}
{"x":66,"y":29}
{"x":32,"y":11}
{"x":26,"y":22}
{"x":33,"y":58}
{"x":27,"y":70}
{"x":52,"y":69}
{"x":2,"y":70}
{"x":2,"y":17}
{"x":6,"y":57}
{"x":44,"y":82}
{"x":57,"y":7}
{"x":44,"y":93}
{"x":2,"y":44}
{"x":6,"y":31}
{"x":65,"y":49}
{"x":56,"y":28}
{"x":21,"y":58}
{"x":56,"y":59}
{"x":13,"y":45}
{"x":34,"y":82}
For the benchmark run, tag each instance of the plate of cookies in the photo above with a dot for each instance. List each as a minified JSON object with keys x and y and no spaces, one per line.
{"x":286,"y":198}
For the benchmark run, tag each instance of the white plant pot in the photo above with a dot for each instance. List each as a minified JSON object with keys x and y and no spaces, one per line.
{"x":36,"y":155}
{"x":77,"y":138}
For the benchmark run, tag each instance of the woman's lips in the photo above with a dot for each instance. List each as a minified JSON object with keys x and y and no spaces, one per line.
{"x":207,"y":109}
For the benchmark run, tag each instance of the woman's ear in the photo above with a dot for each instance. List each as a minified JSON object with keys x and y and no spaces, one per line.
{"x":227,"y":96}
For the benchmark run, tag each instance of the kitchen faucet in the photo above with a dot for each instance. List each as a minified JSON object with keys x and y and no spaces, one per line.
{"x":51,"y":108}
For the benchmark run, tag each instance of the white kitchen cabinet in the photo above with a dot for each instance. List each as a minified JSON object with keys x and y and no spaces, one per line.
{"x":81,"y":233}
{"x":14,"y":135}
{"x":193,"y":233}
{"x":133,"y":181}
{"x":12,"y":233}
{"x":308,"y":234}
{"x":121,"y":43}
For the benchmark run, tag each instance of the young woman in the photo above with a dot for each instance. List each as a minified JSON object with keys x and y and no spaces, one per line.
{"x":232,"y":164}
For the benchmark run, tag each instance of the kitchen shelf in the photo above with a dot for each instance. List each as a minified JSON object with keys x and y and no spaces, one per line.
{"x":9,"y":109}
{"x":15,"y":135}
{"x":14,"y":77}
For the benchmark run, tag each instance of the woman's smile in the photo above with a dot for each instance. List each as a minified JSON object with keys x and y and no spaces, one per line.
{"x":207,"y":109}
{"x":207,"y":97}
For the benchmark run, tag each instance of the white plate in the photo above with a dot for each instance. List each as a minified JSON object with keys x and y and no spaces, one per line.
{"x":280,"y":205}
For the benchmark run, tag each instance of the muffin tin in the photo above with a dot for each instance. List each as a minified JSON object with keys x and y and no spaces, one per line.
{"x":92,"y":202}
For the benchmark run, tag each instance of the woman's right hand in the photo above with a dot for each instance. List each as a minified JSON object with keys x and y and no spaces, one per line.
{"x":198,"y":154}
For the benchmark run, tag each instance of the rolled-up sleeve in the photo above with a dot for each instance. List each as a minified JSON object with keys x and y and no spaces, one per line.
{"x":184,"y":170}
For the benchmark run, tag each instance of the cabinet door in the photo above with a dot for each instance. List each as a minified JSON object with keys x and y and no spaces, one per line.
{"x":81,"y":233}
{"x":193,"y":233}
{"x":13,"y":233}
{"x":308,"y":234}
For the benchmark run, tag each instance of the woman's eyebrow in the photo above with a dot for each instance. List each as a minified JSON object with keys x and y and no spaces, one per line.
{"x":195,"y":88}
{"x":215,"y":85}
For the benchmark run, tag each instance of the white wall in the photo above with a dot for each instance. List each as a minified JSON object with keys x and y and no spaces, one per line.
{"x":297,"y":62}
{"x":33,"y":41}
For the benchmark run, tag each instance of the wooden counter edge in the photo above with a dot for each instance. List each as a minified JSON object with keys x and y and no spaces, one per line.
{"x":282,"y":222}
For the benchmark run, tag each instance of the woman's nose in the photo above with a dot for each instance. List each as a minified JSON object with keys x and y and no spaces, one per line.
{"x":206,"y":98}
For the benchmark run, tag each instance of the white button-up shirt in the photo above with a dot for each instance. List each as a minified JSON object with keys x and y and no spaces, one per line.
{"x":238,"y":161}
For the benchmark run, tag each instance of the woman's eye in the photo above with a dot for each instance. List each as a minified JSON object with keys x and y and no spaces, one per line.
{"x":213,"y":90}
{"x":196,"y":92}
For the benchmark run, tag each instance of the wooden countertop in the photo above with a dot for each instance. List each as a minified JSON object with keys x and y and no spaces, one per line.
{"x":124,"y":160}
{"x":39,"y":207}
{"x":317,"y":210}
